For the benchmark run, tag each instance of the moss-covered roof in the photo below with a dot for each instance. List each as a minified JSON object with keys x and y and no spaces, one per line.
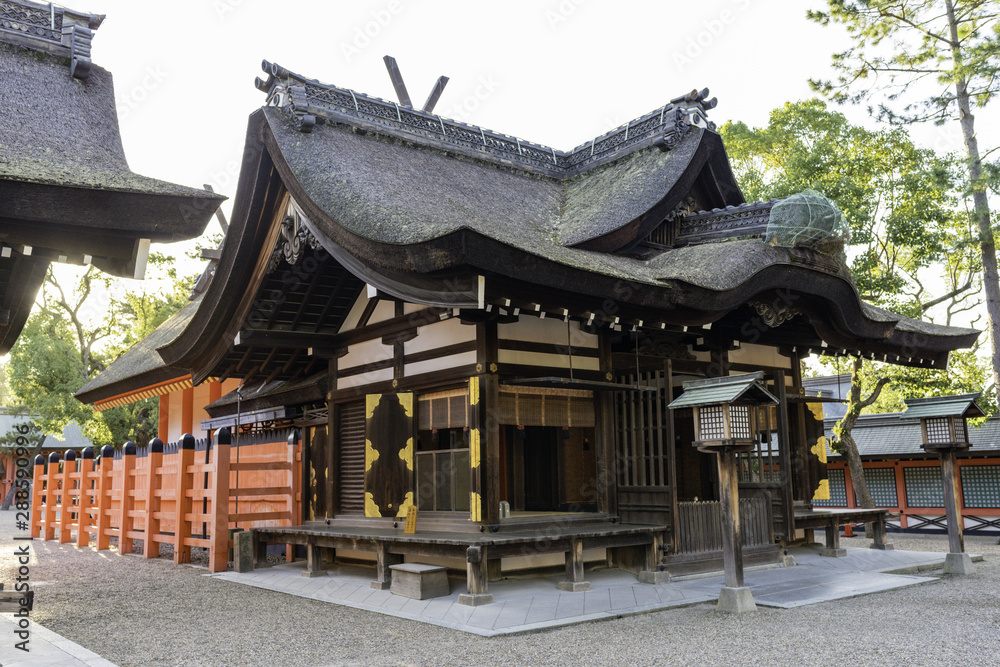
{"x":60,"y":130}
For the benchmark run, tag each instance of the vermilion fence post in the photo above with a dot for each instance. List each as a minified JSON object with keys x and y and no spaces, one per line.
{"x":154,"y":459}
{"x":37,"y":511}
{"x":86,"y":467}
{"x":66,"y":498}
{"x":127,"y":522}
{"x":104,"y":497}
{"x":182,"y":484}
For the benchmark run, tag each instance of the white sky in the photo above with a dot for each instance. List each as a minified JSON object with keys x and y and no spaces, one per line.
{"x":557,"y":72}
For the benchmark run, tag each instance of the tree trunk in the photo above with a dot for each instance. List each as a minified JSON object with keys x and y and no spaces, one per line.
{"x":847,"y":447}
{"x":987,"y":242}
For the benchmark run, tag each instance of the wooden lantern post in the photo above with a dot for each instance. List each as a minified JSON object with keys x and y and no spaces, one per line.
{"x":725,"y":423}
{"x":944,"y":430}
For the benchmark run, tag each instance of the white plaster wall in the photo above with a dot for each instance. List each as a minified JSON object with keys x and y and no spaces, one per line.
{"x":759,"y":355}
{"x":549,"y":330}
{"x":440,"y":364}
{"x":439,"y":334}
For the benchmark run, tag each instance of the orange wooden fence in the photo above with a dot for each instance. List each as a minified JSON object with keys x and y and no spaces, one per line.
{"x":186,"y":494}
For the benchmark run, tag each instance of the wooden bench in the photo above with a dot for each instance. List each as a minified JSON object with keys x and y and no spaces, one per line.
{"x":832,"y":520}
{"x":419,"y":581}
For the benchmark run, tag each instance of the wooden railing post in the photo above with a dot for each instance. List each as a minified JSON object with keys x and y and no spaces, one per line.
{"x":37,"y":511}
{"x":86,"y":467}
{"x":66,"y":498}
{"x":154,"y":459}
{"x":218,"y":556}
{"x":182,"y":484}
{"x":104,"y":497}
{"x":127,"y":521}
{"x":50,"y":496}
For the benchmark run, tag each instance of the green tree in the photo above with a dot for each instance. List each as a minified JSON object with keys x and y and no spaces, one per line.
{"x":74,"y":334}
{"x":934,"y":61}
{"x":900,"y":203}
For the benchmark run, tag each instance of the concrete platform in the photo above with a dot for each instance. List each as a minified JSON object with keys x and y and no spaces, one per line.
{"x":46,"y":648}
{"x":526,"y":604}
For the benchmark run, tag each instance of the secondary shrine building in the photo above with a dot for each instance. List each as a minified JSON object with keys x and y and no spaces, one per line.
{"x":491,"y":330}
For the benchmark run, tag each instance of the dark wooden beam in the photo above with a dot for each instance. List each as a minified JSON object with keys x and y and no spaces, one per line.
{"x":284,"y":339}
{"x":397,"y":81}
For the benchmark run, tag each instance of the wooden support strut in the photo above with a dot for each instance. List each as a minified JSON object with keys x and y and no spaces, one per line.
{"x":51,"y":492}
{"x":574,"y":569}
{"x":477,"y":577}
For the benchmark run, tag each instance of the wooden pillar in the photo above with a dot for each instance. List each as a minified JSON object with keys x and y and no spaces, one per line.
{"x":488,"y":479}
{"x":126,"y":521}
{"x":163,"y":422}
{"x":183,"y":482}
{"x":66,"y":498}
{"x":219,"y":551}
{"x":294,"y":489}
{"x":154,"y":461}
{"x":729,"y":501}
{"x":574,"y":569}
{"x":785,"y":456}
{"x":952,"y":501}
{"x":105,"y":483}
{"x":37,"y":511}
{"x":83,"y":517}
{"x":734,"y":597}
{"x":674,"y":536}
{"x":604,"y":413}
{"x":332,"y":481}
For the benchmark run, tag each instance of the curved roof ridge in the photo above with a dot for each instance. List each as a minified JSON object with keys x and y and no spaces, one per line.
{"x":311,"y":101}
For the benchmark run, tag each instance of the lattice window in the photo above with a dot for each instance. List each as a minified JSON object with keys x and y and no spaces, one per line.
{"x":443,"y":409}
{"x":882,"y":486}
{"x":739,"y":425}
{"x":539,"y":406}
{"x":981,"y":486}
{"x":961,"y":429}
{"x":923,"y":487}
{"x":838,"y":489}
{"x":938,"y":430}
{"x":712,"y":422}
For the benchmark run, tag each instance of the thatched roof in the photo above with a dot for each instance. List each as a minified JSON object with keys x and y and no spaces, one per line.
{"x":66,"y":191}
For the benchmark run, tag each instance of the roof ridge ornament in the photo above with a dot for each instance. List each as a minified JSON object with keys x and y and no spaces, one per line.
{"x":52,"y":29}
{"x":310,"y":101}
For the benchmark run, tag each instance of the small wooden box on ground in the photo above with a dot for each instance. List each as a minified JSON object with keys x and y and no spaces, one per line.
{"x":419,"y":581}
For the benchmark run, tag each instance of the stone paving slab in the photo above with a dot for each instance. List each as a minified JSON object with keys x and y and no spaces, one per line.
{"x":46,"y":648}
{"x":526,"y":604}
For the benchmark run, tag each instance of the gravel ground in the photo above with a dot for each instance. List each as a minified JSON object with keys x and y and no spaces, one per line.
{"x":134,"y":611}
